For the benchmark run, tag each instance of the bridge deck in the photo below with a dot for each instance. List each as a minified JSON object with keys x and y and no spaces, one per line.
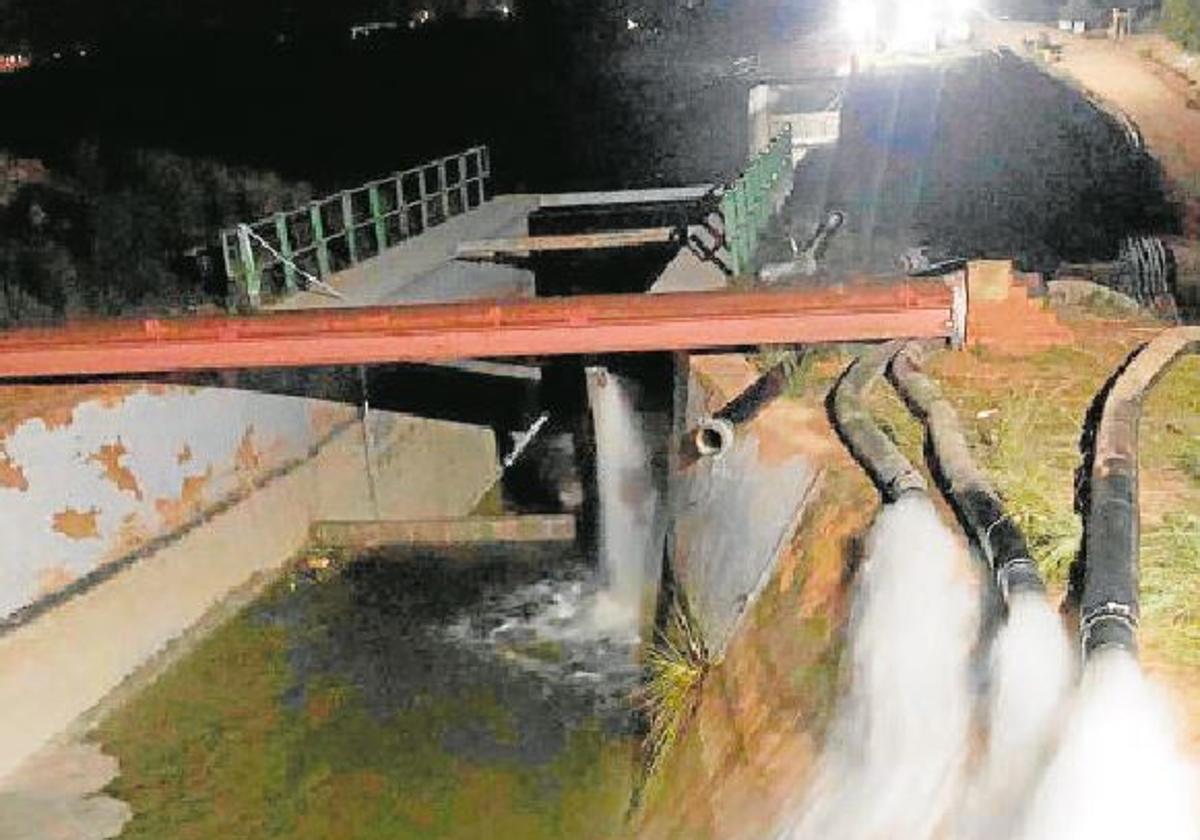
{"x":423,"y":269}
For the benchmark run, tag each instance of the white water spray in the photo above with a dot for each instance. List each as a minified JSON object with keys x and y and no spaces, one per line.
{"x":1031,"y":670}
{"x":1119,"y":772}
{"x":897,"y":751}
{"x":630,"y":539}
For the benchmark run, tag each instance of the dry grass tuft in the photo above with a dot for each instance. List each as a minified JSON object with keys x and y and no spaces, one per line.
{"x":676,"y":665}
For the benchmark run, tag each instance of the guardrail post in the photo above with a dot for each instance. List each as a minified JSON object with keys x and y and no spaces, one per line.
{"x":251,"y":281}
{"x":348,"y":227}
{"x":462,"y":183}
{"x":445,"y":189}
{"x":731,"y":212}
{"x":485,"y":172}
{"x":424,"y":198}
{"x":753,"y":180}
{"x":377,"y":215}
{"x":402,"y":207}
{"x":285,"y":250}
{"x":745,"y":235}
{"x":231,"y":273}
{"x":318,"y":232}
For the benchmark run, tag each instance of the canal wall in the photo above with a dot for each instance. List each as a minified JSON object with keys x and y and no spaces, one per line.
{"x":130,"y":511}
{"x":735,"y":512}
{"x":747,"y":751}
{"x":732,"y":514}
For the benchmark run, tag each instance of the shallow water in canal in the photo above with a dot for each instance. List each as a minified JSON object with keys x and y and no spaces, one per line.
{"x":405,"y":694}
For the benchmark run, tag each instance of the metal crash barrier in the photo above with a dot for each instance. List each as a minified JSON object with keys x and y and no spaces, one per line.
{"x":748,"y":204}
{"x":300,"y":248}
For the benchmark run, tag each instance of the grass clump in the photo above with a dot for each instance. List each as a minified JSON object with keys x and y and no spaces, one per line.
{"x":1170,"y":585}
{"x":676,"y":665}
{"x":1035,"y":488}
{"x":1171,"y":422}
{"x":798,"y":366}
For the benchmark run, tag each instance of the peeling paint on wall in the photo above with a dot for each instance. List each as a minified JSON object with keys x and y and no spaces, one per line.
{"x":11,"y":474}
{"x":175,"y":512}
{"x":247,"y":460}
{"x":109,"y":456}
{"x":54,"y":579}
{"x":106,"y":468}
{"x":77,"y":524}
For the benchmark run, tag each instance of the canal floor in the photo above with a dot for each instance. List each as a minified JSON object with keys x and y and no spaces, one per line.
{"x":401,"y":695}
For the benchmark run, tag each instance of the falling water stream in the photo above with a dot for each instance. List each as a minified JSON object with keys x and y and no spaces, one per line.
{"x":629,"y":538}
{"x":591,"y":616}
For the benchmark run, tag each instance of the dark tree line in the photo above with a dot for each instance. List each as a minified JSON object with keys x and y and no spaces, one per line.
{"x":118,"y":234}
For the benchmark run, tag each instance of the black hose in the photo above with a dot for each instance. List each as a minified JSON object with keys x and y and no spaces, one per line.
{"x":965,"y":486}
{"x":745,"y":406}
{"x":1109,"y":609}
{"x":887,"y":467}
{"x":713,"y":435}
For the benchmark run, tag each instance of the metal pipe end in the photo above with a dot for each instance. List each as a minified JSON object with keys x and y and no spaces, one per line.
{"x":712,"y":437}
{"x":908,"y":481}
{"x":1018,"y":575}
{"x":1108,"y":625}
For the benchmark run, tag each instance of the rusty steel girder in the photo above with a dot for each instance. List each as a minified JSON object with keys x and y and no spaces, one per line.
{"x":593,"y":324}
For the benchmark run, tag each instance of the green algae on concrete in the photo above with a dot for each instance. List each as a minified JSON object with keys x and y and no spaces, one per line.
{"x":223,"y":745}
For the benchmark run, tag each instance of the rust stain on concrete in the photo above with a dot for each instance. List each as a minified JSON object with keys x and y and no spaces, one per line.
{"x":109,"y":457}
{"x":11,"y":474}
{"x":175,"y":512}
{"x":131,"y":534}
{"x":54,"y":405}
{"x":77,"y":524}
{"x":54,"y":579}
{"x":324,"y":418}
{"x":247,"y":461}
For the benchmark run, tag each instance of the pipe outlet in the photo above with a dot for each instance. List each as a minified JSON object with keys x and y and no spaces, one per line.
{"x":712,"y":437}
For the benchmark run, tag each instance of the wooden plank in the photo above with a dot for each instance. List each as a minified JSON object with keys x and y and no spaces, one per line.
{"x":523,"y":246}
{"x":361,"y":534}
{"x":647,"y":196}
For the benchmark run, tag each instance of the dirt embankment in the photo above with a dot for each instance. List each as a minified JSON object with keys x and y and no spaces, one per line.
{"x":745,"y":754}
{"x":1139,"y":76}
{"x":758,"y":722}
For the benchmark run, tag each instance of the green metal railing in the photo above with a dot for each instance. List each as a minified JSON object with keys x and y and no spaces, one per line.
{"x":747,"y":205}
{"x":301,"y":248}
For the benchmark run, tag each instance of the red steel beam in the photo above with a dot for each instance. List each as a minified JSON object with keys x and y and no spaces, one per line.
{"x":523,"y":327}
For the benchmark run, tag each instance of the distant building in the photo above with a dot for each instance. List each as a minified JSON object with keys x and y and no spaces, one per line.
{"x":366,"y":30}
{"x":12,"y":62}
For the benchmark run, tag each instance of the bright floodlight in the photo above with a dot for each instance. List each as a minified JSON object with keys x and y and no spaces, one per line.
{"x":859,"y":20}
{"x":918,"y":26}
